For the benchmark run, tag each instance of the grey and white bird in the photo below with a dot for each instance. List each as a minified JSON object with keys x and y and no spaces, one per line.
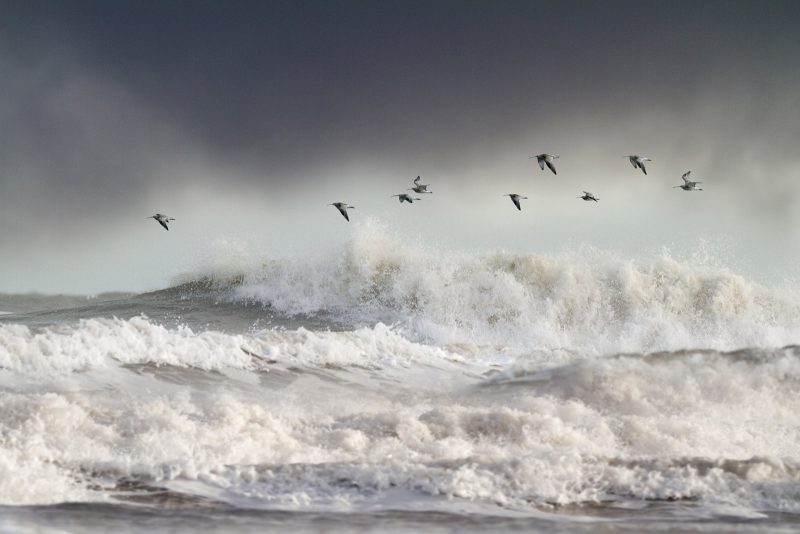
{"x":404,"y":197}
{"x":515,"y":198}
{"x":588,"y":196}
{"x":418,"y":187}
{"x":688,"y":185}
{"x":343,"y":207}
{"x":162,"y":219}
{"x":638,"y":161}
{"x":546,"y":159}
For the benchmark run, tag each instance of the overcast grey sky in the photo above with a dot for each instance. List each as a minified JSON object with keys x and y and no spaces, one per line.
{"x":243,"y":119}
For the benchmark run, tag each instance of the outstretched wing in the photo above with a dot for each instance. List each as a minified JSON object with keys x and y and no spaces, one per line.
{"x":541,"y":162}
{"x":551,"y":167}
{"x":516,"y":203}
{"x":163,"y":223}
{"x":641,"y":166}
{"x":343,"y":211}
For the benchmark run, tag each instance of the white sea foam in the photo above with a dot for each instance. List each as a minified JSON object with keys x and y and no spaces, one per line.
{"x":329,"y":427}
{"x":586,"y":300}
{"x":501,"y":381}
{"x":99,"y":343}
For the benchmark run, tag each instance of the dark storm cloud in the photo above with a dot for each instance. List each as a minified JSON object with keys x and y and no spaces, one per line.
{"x":288,"y":81}
{"x":97,"y":97}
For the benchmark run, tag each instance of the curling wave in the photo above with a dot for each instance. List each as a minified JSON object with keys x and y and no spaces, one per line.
{"x":589,"y":301}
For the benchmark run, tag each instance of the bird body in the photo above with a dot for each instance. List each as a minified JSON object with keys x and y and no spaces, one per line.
{"x":343,"y":207}
{"x":688,"y":185}
{"x":404,"y":197}
{"x":546,"y":159}
{"x":638,"y":161}
{"x":515,"y":198}
{"x":418,"y":187}
{"x":588,"y":196}
{"x":162,"y":219}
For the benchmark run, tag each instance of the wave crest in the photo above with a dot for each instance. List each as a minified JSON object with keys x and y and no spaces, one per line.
{"x":585,"y":300}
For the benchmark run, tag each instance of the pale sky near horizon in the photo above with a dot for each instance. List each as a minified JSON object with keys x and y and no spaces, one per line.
{"x":244,"y":119}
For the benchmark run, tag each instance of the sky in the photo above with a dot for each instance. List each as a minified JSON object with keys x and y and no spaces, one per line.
{"x":244,"y":119}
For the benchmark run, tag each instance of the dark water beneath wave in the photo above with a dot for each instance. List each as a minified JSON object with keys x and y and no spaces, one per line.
{"x":193,"y":518}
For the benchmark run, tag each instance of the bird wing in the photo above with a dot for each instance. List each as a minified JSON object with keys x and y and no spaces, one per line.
{"x":641,"y":166}
{"x":163,"y":223}
{"x":343,"y":211}
{"x":552,"y":167}
{"x":516,"y":203}
{"x":633,"y":162}
{"x":541,"y":162}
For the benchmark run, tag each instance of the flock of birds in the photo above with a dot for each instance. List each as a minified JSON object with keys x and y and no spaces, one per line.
{"x":544,"y":160}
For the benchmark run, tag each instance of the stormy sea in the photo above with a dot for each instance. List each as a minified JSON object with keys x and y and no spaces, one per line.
{"x":384,"y":386}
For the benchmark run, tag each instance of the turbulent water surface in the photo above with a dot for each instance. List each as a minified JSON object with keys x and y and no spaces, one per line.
{"x":386,"y":387}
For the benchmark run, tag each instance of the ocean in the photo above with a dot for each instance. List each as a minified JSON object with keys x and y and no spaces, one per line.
{"x":384,"y":386}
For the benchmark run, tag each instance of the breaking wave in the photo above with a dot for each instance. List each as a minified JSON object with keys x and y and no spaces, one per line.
{"x":588,"y":300}
{"x":387,"y":376}
{"x":122,"y":409}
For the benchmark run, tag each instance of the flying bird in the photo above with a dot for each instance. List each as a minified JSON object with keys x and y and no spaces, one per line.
{"x":588,"y":196}
{"x":546,"y":159}
{"x":418,"y":187}
{"x":343,"y":207}
{"x":688,"y":185}
{"x":404,"y":197}
{"x":515,"y":198}
{"x":162,"y":219}
{"x":638,"y":161}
